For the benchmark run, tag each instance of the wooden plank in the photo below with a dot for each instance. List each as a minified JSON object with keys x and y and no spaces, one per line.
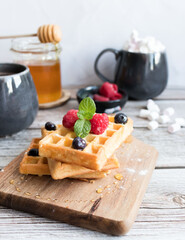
{"x":33,"y":227}
{"x":165,"y":221}
{"x":170,"y":93}
{"x":68,"y":201}
{"x":163,"y":141}
{"x":161,"y":215}
{"x":131,"y":108}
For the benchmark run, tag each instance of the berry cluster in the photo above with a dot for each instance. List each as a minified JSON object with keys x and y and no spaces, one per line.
{"x":99,"y":122}
{"x":85,"y":120}
{"x":107,"y":92}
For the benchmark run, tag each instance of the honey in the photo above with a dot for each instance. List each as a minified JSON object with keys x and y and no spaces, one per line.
{"x":43,"y":60}
{"x":99,"y":190}
{"x":118,"y":176}
{"x":47,"y":81}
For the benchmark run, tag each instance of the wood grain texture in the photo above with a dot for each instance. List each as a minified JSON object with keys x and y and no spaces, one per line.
{"x":170,"y":93}
{"x":161,"y":215}
{"x":77,"y":202}
{"x":131,"y":108}
{"x":10,"y":147}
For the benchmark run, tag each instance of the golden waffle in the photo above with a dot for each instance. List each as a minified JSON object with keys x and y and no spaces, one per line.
{"x":45,"y":132}
{"x":34,"y":165}
{"x":60,"y":170}
{"x":57,"y":145}
{"x":39,"y":166}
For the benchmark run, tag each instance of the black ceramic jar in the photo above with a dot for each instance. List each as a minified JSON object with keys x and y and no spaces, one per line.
{"x":142,"y":75}
{"x":18,"y":98}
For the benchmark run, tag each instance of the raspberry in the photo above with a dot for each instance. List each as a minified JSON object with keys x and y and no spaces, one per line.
{"x":70,"y":118}
{"x":108,"y":90}
{"x":115,"y":87}
{"x":98,"y":97}
{"x":99,"y":123}
{"x":116,"y":96}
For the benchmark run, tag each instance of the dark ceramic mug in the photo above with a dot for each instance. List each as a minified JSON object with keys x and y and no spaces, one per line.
{"x":143,"y":76}
{"x":18,"y":98}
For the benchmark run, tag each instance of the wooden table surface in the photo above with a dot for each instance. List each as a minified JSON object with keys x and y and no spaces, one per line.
{"x":162,"y":213}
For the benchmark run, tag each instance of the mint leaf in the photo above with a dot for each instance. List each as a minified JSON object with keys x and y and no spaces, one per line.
{"x":88,"y":107}
{"x":81,"y":114}
{"x":85,"y":115}
{"x":82,"y":127}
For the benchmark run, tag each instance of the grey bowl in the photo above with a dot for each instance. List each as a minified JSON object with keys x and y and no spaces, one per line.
{"x":18,"y":98}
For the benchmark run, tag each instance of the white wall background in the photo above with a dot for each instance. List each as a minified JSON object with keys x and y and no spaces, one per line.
{"x":89,"y":26}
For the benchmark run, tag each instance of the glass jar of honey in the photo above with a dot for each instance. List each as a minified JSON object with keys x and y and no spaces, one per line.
{"x":43,"y":60}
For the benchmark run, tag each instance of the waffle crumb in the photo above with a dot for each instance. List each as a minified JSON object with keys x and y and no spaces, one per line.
{"x":99,"y":190}
{"x":108,"y":186}
{"x":11,"y":181}
{"x":92,"y":200}
{"x":118,"y":176}
{"x":84,"y":179}
{"x":115,"y":182}
{"x":22,"y":178}
{"x":37,"y":196}
{"x":48,"y":199}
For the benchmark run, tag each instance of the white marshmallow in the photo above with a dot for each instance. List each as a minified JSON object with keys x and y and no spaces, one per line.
{"x":153,"y":116}
{"x":169,"y":111}
{"x":174,"y":128}
{"x":143,"y":45}
{"x":134,"y":37}
{"x":153,"y":107}
{"x":153,"y":125}
{"x":163,"y":119}
{"x":143,"y":49}
{"x":150,"y":102}
{"x":180,"y":121}
{"x":144,"y":113}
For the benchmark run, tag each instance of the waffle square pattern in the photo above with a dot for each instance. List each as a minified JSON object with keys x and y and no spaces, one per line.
{"x":37,"y":165}
{"x":58,"y":145}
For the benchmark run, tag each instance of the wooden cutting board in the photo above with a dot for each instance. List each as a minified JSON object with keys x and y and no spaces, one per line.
{"x":111,"y":211}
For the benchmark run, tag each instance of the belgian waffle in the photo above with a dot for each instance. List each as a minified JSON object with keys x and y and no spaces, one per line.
{"x":34,"y":165}
{"x":60,"y":170}
{"x":57,"y":145}
{"x":38,"y":165}
{"x":45,"y":132}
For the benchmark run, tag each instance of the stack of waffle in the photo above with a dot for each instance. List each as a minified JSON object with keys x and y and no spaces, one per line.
{"x":58,"y":159}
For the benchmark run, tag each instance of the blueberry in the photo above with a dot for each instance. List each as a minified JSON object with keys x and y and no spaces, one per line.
{"x":34,"y":152}
{"x":50,"y":126}
{"x":120,"y":118}
{"x":78,"y":143}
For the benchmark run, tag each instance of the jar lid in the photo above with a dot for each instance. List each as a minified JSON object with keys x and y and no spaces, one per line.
{"x":33,"y":45}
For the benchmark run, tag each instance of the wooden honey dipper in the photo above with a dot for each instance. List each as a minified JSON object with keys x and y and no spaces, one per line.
{"x":46,"y":33}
